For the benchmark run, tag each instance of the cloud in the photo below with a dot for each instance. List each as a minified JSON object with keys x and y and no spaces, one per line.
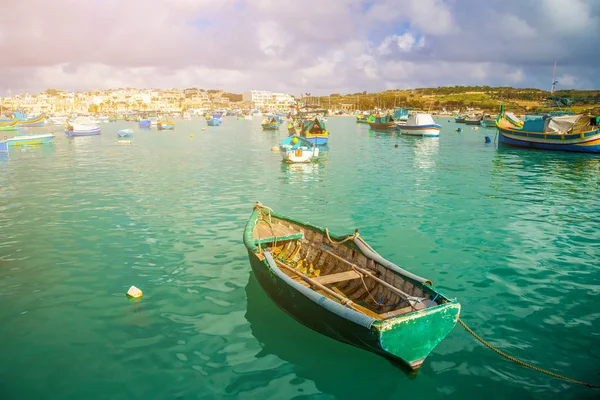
{"x":316,"y":46}
{"x":404,"y":43}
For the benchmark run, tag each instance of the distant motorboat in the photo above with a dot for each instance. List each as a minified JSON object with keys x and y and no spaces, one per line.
{"x":125,"y":133}
{"x":25,"y":140}
{"x":420,"y":124}
{"x":144,"y":123}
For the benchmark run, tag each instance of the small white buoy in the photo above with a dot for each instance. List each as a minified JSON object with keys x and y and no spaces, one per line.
{"x":135,"y":293}
{"x":274,"y":149}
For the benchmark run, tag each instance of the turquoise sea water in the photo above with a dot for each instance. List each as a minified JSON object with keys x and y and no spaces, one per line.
{"x":513,"y":234}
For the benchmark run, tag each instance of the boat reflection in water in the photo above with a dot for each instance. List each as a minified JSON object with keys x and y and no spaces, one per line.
{"x":426,"y":150}
{"x":377,"y":133}
{"x":332,"y":366}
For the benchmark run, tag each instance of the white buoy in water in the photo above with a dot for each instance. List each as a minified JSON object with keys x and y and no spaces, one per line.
{"x":135,"y":293}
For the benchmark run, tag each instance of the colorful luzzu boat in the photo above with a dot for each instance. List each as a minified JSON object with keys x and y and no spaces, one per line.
{"x":29,"y":140}
{"x":315,"y":132}
{"x":25,"y":122}
{"x":8,"y":125}
{"x":420,"y":124}
{"x":270,"y":124}
{"x":578,"y":133}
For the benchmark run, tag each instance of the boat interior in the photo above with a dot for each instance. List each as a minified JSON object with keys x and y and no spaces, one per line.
{"x":339,"y":272}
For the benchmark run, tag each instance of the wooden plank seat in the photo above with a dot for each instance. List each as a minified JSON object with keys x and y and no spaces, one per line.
{"x":335,"y":278}
{"x":265,"y":232}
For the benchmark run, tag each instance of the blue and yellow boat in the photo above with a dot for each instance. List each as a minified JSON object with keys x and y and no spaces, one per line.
{"x":315,"y":131}
{"x":29,"y":122}
{"x":578,"y":133}
{"x":8,"y":125}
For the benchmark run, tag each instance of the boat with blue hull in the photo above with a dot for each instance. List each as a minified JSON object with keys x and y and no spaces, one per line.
{"x":82,"y":126}
{"x":3,"y":146}
{"x":125,"y":133}
{"x":213,"y":121}
{"x":315,"y":131}
{"x":144,"y":123}
{"x":420,"y":124}
{"x":578,"y":133}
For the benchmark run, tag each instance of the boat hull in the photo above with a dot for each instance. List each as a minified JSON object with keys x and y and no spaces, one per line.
{"x":383,"y":127}
{"x":3,"y":146}
{"x":318,"y":140}
{"x":32,"y":123}
{"x":30,"y":140}
{"x":270,"y":127}
{"x":166,"y":127}
{"x":408,"y":338}
{"x":428,"y":130}
{"x":299,"y":155}
{"x":87,"y":132}
{"x":401,"y":341}
{"x":145,"y":123}
{"x":585,"y":142}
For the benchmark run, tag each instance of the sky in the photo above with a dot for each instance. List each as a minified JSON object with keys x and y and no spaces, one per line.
{"x":315,"y":46}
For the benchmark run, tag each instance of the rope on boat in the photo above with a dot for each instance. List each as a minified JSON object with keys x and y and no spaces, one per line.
{"x":522,"y":363}
{"x":354,"y":236}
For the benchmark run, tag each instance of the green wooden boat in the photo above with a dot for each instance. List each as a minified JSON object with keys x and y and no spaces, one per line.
{"x":341,"y":287}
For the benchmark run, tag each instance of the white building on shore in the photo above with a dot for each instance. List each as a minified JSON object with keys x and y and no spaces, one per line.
{"x":263,"y":99}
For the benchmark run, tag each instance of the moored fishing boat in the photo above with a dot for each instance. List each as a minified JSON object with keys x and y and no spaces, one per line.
{"x":82,"y":126}
{"x":382,"y":123}
{"x":166,"y":125}
{"x":420,"y":124}
{"x":362,"y":119}
{"x":145,"y":123}
{"x":8,"y":125}
{"x":214,"y":119}
{"x":488,"y":121}
{"x":460,"y":118}
{"x":341,"y":287}
{"x":28,"y":140}
{"x":125,"y":133}
{"x":476,"y":120}
{"x":315,"y":131}
{"x":296,"y":149}
{"x":29,"y":122}
{"x":578,"y":133}
{"x":270,"y":124}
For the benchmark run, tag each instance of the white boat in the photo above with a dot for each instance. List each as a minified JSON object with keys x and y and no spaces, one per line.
{"x":25,"y":140}
{"x":296,"y":149}
{"x":83,"y":126}
{"x":153,"y":121}
{"x":125,"y":133}
{"x":420,"y":124}
{"x":248,"y":116}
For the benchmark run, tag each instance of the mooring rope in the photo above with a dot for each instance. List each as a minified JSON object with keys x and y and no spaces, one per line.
{"x":354,"y":236}
{"x":522,"y":363}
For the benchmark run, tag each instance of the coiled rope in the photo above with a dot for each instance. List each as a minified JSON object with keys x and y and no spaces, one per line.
{"x":522,"y":363}
{"x":352,"y":237}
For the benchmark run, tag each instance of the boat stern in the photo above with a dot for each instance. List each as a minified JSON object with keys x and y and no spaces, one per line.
{"x":412,"y":337}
